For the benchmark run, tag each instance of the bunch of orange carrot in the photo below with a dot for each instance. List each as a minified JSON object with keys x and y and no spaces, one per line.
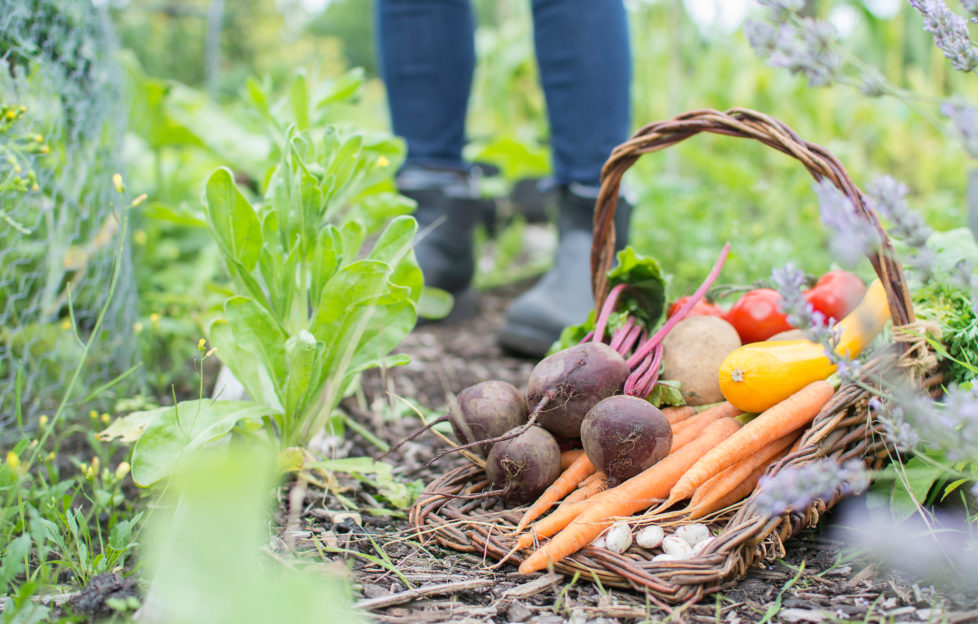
{"x":714,"y":462}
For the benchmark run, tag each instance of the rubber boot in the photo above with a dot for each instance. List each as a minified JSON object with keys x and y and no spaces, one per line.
{"x":563,"y":295}
{"x":448,"y":210}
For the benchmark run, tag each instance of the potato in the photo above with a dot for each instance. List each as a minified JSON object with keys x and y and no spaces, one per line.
{"x":691,"y":355}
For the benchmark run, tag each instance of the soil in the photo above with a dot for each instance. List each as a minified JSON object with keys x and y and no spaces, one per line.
{"x":399,"y":576}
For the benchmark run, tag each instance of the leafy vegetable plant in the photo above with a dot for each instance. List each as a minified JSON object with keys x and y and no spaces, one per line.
{"x":310,"y":308}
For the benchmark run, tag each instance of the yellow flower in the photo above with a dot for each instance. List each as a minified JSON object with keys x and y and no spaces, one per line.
{"x":38,"y":138}
{"x":106,"y":418}
{"x":51,"y":456}
{"x":138,"y":200}
{"x":13,"y":460}
{"x":117,"y":182}
{"x":154,"y":318}
{"x":95,"y":465}
{"x":43,"y":420}
{"x":11,"y":114}
{"x":201,"y":344}
{"x":66,"y":324}
{"x":137,"y":327}
{"x":383,"y":162}
{"x":93,"y":415}
{"x":122,"y":470}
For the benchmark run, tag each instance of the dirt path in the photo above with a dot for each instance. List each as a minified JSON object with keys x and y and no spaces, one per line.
{"x":401,"y":577}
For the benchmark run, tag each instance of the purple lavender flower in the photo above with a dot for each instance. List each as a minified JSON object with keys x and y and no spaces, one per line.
{"x":889,"y":198}
{"x":782,"y":9}
{"x":950,"y":32}
{"x":956,"y":429}
{"x":804,"y":46}
{"x":852,"y":236}
{"x":873,"y":84}
{"x":795,"y":488}
{"x":971,"y":6}
{"x":964,"y":118}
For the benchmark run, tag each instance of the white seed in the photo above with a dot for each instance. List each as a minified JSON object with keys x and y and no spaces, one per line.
{"x":677,"y":547}
{"x":701,"y":546}
{"x":665,"y":557}
{"x":650,"y":537}
{"x":599,"y":542}
{"x":618,"y":538}
{"x":693,"y":533}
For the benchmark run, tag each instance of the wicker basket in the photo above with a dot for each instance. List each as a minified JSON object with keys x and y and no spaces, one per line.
{"x":843,"y":429}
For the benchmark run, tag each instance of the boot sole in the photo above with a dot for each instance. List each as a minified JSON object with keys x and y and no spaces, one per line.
{"x":525,"y":341}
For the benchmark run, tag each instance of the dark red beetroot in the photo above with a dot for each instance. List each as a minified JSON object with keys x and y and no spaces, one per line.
{"x":524,"y":466}
{"x":623,"y":435}
{"x":487,"y":410}
{"x":575,"y":379}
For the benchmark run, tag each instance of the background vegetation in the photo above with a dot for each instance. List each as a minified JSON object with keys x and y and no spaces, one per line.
{"x":207,"y":84}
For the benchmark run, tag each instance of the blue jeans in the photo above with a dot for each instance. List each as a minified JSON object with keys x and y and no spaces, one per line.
{"x":427,"y":56}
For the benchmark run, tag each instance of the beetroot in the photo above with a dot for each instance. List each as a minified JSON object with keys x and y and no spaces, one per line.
{"x":623,"y":435}
{"x":524,"y":466}
{"x":487,"y":410}
{"x":574,"y":380}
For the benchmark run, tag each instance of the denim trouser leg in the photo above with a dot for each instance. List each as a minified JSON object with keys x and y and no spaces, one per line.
{"x":584,"y":56}
{"x":427,"y":57}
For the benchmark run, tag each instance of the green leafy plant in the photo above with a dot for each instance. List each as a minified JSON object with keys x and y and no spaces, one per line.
{"x":311,"y":306}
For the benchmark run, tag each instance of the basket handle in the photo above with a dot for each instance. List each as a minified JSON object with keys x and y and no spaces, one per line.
{"x":748,"y":124}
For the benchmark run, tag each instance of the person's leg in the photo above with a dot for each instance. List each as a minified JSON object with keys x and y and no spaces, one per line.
{"x":427,"y":58}
{"x":584,"y":57}
{"x":585,"y":66}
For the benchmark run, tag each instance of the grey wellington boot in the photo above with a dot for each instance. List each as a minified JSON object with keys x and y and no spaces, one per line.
{"x":563,"y":295}
{"x":448,"y":210}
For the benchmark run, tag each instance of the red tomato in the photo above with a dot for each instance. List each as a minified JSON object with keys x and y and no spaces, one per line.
{"x":836,"y":293}
{"x":757,"y":315}
{"x":700,"y":308}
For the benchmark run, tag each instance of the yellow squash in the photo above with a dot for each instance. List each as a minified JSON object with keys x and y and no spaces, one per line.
{"x":758,"y":375}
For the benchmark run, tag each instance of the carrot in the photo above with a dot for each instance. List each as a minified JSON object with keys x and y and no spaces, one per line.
{"x":789,"y":415}
{"x":567,"y":457}
{"x":675,"y":414}
{"x":631,"y":496}
{"x":566,"y":511}
{"x":686,"y":430}
{"x":740,"y":491}
{"x":707,"y":497}
{"x":580,"y":469}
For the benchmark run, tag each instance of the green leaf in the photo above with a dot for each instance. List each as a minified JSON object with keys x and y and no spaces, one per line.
{"x":181,"y":430}
{"x":247,"y":369}
{"x":920,"y":478}
{"x":233,"y":220}
{"x":325,"y":260}
{"x":377,"y":474}
{"x":396,"y":248}
{"x":301,"y":350}
{"x":362,"y":282}
{"x":645,"y":298}
{"x":343,"y":88}
{"x":434,"y":303}
{"x":300,"y":100}
{"x":13,"y":561}
{"x":258,"y":332}
{"x":128,"y":428}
